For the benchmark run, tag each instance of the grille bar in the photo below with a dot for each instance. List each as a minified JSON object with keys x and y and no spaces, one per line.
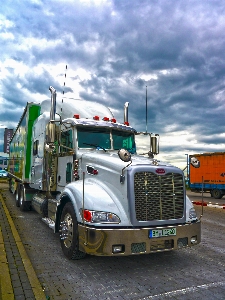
{"x":158,"y":197}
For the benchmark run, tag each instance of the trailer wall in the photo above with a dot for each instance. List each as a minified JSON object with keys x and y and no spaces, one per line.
{"x":21,"y":143}
{"x":211,"y":170}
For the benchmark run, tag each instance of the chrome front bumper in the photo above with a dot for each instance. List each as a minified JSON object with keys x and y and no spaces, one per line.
{"x":135,"y":241}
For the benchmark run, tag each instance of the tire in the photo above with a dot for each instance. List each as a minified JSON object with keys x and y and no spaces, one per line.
{"x":17,"y":195}
{"x":10,"y":185}
{"x":217,"y":194}
{"x":44,"y":208}
{"x":24,"y":205}
{"x":69,"y":233}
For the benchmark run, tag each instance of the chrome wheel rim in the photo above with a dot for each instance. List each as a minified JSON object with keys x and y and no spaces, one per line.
{"x":67,"y":230}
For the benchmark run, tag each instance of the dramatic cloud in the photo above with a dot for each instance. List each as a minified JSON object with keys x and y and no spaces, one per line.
{"x":113,"y":50}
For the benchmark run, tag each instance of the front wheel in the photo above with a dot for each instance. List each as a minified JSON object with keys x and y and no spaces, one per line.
{"x":69,"y":233}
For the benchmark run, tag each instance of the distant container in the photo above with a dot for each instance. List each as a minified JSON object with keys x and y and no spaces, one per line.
{"x":210,"y":175}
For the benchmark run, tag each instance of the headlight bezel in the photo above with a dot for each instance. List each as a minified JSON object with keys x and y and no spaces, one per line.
{"x":192,"y":214}
{"x":99,"y":217}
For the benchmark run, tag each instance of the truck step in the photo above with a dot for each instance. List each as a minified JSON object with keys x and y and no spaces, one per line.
{"x":49,"y":222}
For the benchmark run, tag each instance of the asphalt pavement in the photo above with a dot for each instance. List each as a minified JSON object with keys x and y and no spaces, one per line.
{"x":18,"y":279}
{"x":205,"y":199}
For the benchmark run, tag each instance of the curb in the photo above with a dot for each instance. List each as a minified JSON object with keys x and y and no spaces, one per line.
{"x":34,"y":282}
{"x":6,"y":289}
{"x":209,"y":204}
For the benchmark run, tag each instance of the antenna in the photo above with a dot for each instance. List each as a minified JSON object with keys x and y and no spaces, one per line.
{"x":146,"y":111}
{"x":64,"y":84}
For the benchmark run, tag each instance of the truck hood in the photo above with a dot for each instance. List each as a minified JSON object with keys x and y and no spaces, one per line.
{"x":111,"y":160}
{"x":109,"y":182}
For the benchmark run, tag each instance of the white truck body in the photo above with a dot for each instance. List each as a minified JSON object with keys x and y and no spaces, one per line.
{"x":88,"y":183}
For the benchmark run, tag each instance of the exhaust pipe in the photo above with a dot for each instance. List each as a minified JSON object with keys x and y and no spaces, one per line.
{"x":53,"y":103}
{"x":126,"y":112}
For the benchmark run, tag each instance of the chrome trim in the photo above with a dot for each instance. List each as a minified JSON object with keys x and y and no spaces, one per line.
{"x":154,"y":199}
{"x":126,"y":111}
{"x":101,"y":241}
{"x":53,"y":103}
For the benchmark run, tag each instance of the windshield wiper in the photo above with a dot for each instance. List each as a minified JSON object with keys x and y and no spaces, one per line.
{"x":97,"y":146}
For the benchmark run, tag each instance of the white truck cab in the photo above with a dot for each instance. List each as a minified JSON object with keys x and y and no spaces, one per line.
{"x":89,"y":184}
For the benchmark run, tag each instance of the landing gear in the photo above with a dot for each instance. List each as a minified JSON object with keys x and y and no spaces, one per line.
{"x":69,"y":233}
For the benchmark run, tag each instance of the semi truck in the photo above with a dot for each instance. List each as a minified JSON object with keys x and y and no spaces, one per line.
{"x":209,"y":176}
{"x":77,"y":166}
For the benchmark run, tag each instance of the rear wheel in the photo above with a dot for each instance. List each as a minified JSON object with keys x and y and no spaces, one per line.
{"x":24,"y":205}
{"x":17,"y":195}
{"x":69,"y":233}
{"x":10,"y":185}
{"x":217,"y":194}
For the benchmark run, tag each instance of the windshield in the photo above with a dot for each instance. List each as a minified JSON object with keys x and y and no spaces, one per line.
{"x":123,"y":139}
{"x":91,"y":136}
{"x":105,"y":138}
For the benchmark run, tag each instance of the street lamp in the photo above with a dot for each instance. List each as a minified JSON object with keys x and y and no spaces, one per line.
{"x":187,"y":165}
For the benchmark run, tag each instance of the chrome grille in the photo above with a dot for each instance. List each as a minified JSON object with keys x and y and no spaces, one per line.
{"x":158,"y":197}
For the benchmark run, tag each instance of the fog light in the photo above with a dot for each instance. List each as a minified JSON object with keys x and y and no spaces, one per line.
{"x":118,"y":248}
{"x":194,"y":239}
{"x":182,"y":242}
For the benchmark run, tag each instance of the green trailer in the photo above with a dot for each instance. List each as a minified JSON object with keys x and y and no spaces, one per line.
{"x":21,"y":147}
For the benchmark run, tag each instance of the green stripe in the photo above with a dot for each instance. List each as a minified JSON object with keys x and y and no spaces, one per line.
{"x":33,"y":114}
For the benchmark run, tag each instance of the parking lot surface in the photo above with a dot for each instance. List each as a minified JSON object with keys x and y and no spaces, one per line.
{"x":189,"y":273}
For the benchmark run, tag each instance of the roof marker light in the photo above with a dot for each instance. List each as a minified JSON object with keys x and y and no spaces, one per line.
{"x":96,"y":118}
{"x":76,"y":116}
{"x":105,"y":119}
{"x":126,"y":123}
{"x":113,"y":120}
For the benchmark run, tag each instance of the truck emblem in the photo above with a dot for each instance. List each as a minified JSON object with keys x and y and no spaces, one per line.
{"x":160,"y":171}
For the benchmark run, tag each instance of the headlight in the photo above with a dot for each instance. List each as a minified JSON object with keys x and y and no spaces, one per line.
{"x":93,"y":216}
{"x":192,"y":213}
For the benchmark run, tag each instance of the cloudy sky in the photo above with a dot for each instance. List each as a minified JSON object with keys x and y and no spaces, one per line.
{"x":113,"y":50}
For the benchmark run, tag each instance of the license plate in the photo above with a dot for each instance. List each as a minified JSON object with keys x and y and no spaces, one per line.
{"x":154,"y":233}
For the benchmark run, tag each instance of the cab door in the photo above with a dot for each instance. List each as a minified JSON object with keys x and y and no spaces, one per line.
{"x":37,"y":163}
{"x":65,"y":160}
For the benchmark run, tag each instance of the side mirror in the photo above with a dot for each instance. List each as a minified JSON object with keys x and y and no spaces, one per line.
{"x":124,"y":155}
{"x":49,"y":147}
{"x":195,"y":162}
{"x":154,"y":144}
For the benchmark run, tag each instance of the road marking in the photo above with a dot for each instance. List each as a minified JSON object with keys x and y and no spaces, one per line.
{"x":186,"y":290}
{"x":208,"y":204}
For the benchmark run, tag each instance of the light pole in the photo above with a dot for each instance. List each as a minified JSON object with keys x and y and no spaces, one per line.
{"x":187,"y":166}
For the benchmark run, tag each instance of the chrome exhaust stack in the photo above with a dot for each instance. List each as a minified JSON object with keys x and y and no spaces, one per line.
{"x":126,"y":112}
{"x":53,"y":103}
